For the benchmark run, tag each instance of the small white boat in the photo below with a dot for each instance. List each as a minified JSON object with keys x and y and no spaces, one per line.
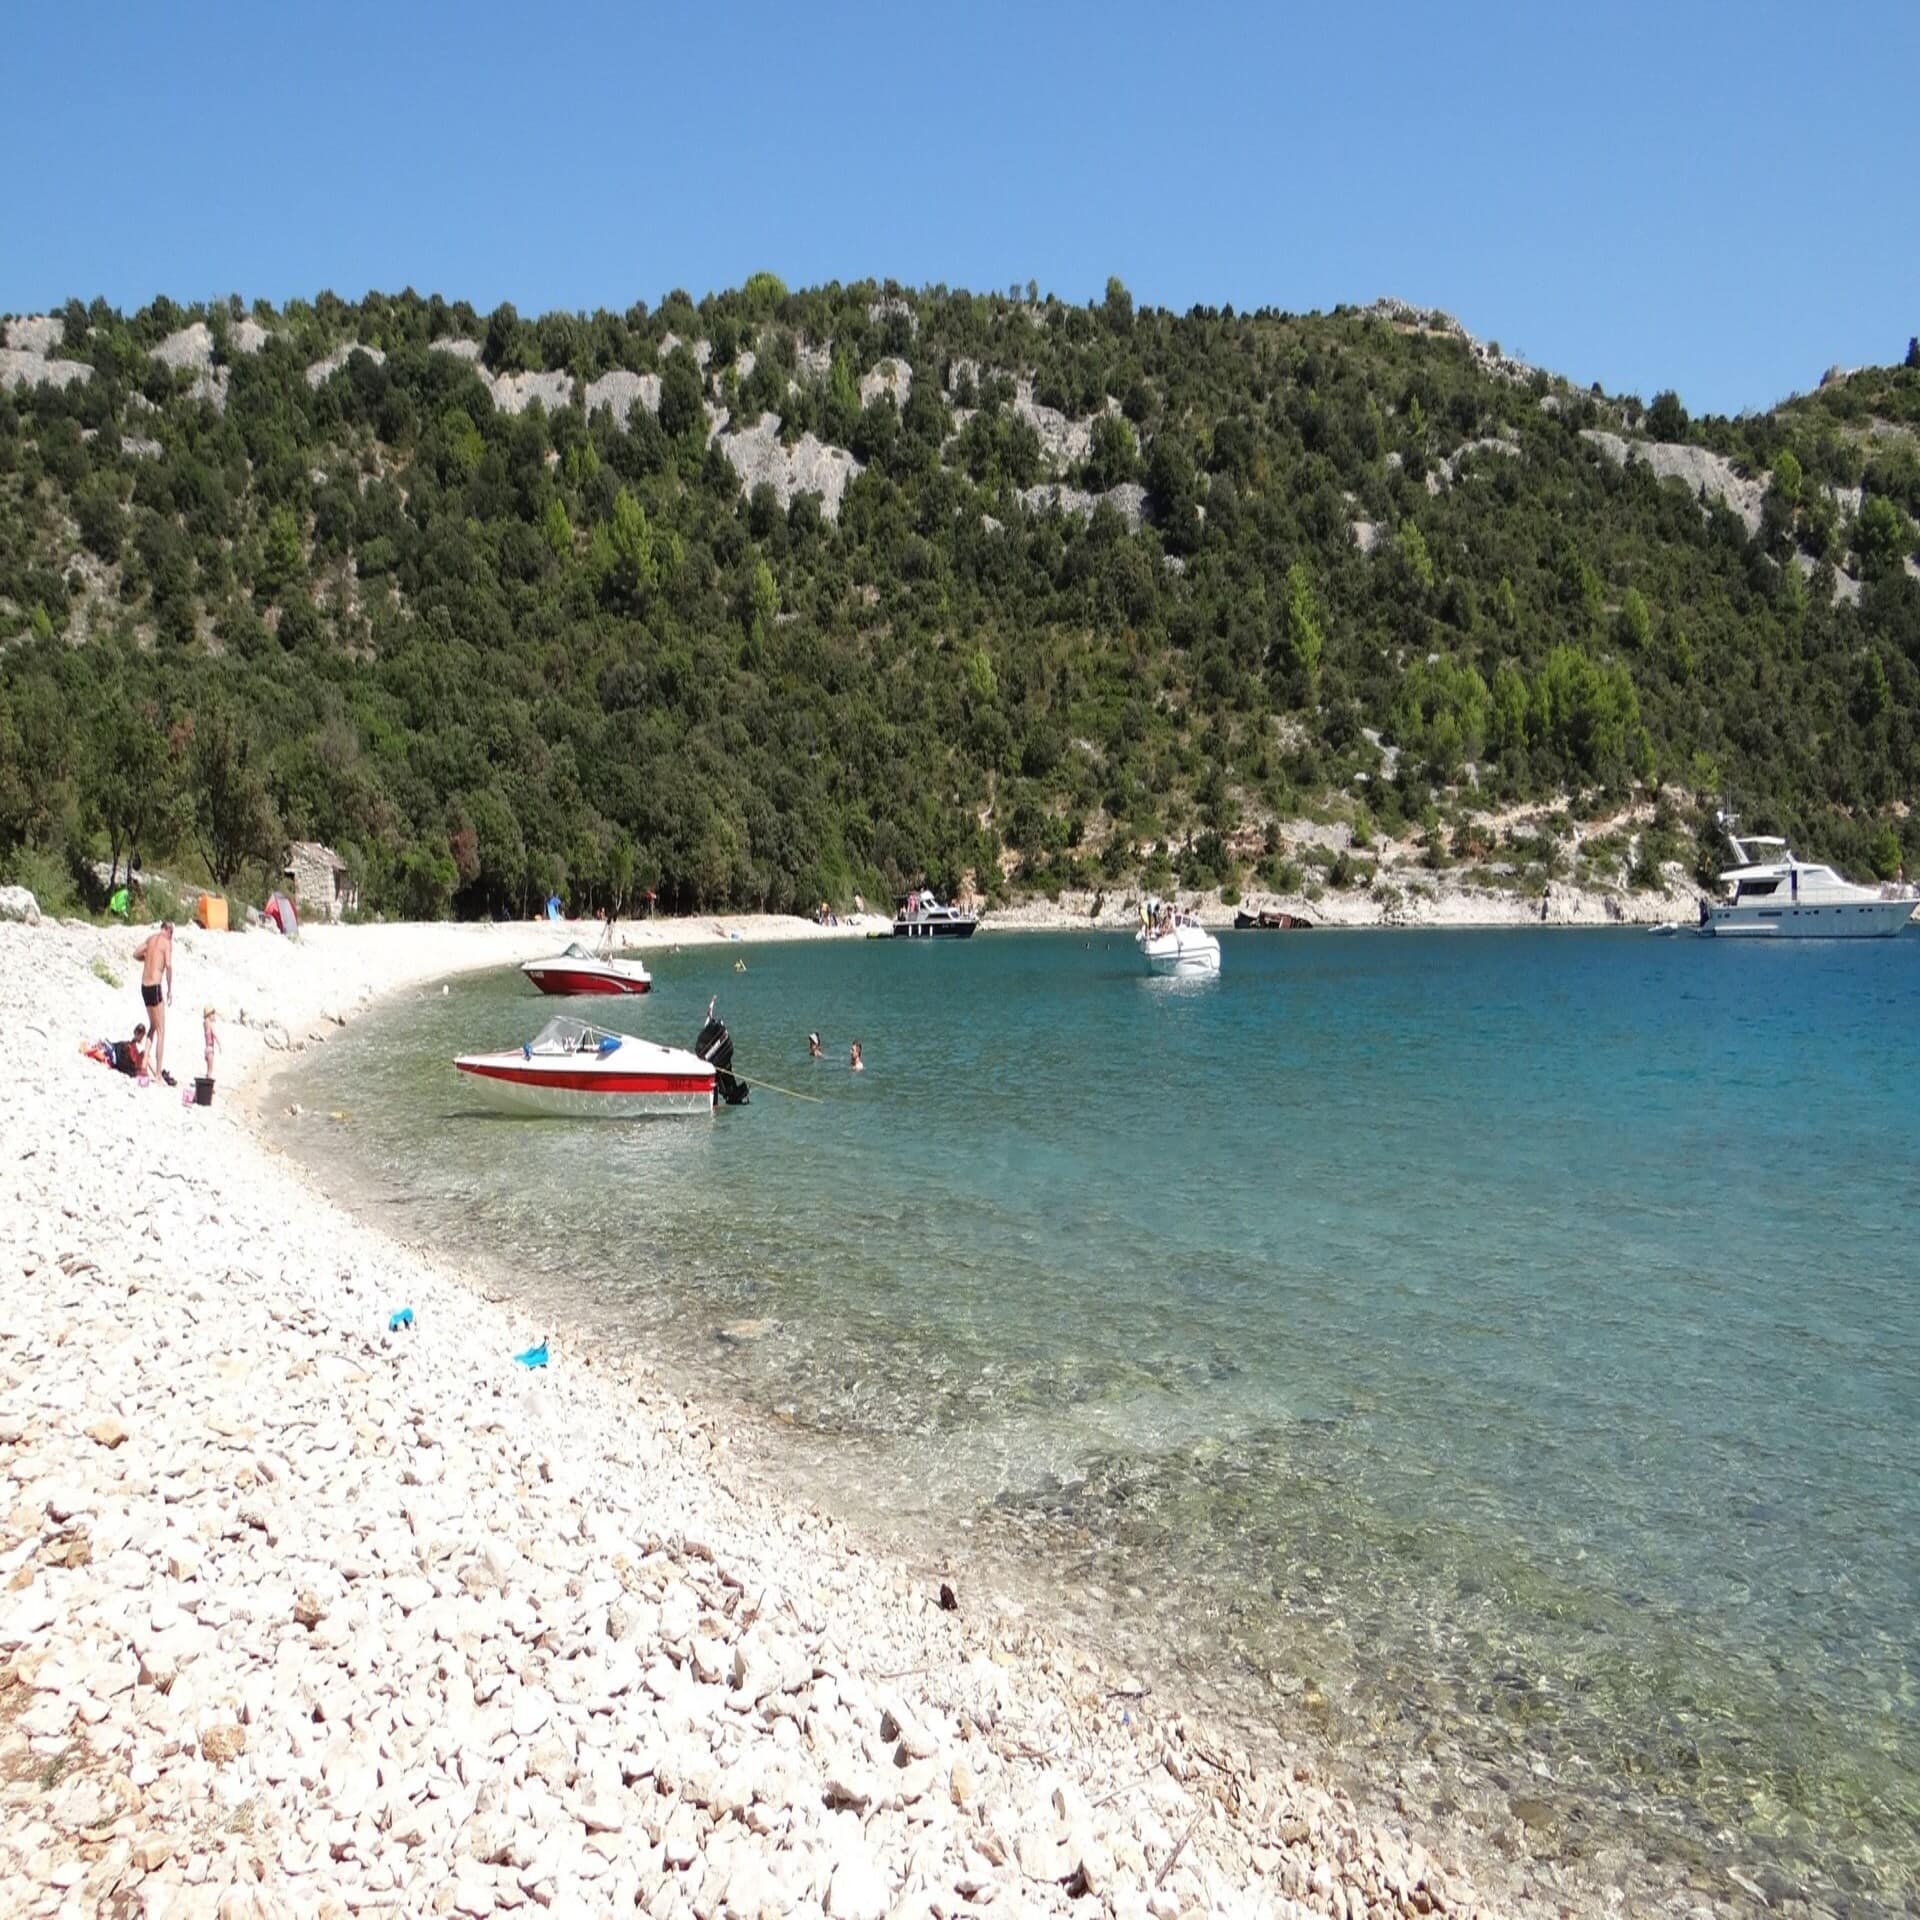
{"x":570,"y":1070}
{"x":1775,"y":896}
{"x":1174,"y":943}
{"x":577,"y":971}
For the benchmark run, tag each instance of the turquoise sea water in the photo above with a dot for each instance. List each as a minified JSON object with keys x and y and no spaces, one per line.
{"x":1498,"y":1353}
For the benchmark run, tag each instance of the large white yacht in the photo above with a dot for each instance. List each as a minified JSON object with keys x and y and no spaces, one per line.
{"x":1775,"y":896}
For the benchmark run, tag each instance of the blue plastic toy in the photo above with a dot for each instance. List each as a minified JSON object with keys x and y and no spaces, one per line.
{"x":534,"y":1356}
{"x":404,"y":1318}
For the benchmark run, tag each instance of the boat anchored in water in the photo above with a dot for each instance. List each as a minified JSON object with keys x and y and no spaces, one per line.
{"x":571,"y":1070}
{"x":578,"y":971}
{"x":1174,"y":943}
{"x":1776,"y":896}
{"x":919,"y":916}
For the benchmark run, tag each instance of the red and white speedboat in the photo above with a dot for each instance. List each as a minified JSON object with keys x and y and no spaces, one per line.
{"x":570,"y":1070}
{"x":578,"y":971}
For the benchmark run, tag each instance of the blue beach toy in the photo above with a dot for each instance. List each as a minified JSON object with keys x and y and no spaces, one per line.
{"x":533,"y":1357}
{"x":404,"y":1318}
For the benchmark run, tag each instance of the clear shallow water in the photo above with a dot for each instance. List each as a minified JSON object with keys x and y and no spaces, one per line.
{"x":1501,"y":1349}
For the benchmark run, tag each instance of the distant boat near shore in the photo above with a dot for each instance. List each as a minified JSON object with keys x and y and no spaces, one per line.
{"x":1778,"y":897}
{"x":577,"y":971}
{"x":919,"y":916}
{"x":1270,"y":920}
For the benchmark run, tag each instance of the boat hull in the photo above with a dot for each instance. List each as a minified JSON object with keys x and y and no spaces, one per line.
{"x":935,"y":929}
{"x":511,"y":1084}
{"x":1189,"y":959}
{"x":569,"y":978}
{"x":1835,"y":920}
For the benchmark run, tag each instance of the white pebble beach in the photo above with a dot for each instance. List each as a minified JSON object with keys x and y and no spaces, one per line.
{"x":302,"y":1616}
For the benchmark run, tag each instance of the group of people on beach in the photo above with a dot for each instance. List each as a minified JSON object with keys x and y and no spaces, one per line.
{"x":854,"y":1062}
{"x":144,"y":1057}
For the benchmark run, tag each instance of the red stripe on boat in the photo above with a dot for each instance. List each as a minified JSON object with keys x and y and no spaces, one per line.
{"x":575,"y":1080}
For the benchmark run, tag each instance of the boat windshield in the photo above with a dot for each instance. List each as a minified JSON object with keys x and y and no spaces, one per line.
{"x":575,"y":951}
{"x":563,"y":1034}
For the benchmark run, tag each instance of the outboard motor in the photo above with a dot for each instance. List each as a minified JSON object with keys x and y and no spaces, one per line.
{"x":714,"y":1045}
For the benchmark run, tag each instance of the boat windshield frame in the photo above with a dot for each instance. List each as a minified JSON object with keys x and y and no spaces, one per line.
{"x":565,"y":1033}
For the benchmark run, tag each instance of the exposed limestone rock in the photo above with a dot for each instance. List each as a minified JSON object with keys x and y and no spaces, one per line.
{"x":885,"y":309}
{"x":516,"y":392}
{"x":323,"y":370}
{"x":620,"y":391}
{"x":21,"y":369}
{"x":1708,"y":474}
{"x":1845,"y":587}
{"x":1129,"y":500}
{"x":1449,"y":468}
{"x":189,"y":347}
{"x":1366,"y":535}
{"x":809,"y":466}
{"x":1063,"y":441}
{"x":814,"y":360}
{"x":246,"y":336}
{"x":889,"y":376}
{"x":702,"y":350}
{"x":460,"y":349}
{"x":961,"y":369}
{"x":1404,"y":317}
{"x":36,"y":333}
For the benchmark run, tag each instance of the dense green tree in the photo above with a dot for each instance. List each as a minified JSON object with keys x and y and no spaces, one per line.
{"x":232,"y":818}
{"x":1667,"y":418}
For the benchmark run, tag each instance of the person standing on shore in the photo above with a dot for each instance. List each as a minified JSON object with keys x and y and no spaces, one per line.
{"x":155,"y":954}
{"x":207,"y":1034}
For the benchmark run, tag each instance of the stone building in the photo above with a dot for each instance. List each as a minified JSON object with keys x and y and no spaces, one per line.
{"x":318,"y":879}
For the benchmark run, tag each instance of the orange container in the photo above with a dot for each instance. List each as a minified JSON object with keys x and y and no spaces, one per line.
{"x":210,"y":911}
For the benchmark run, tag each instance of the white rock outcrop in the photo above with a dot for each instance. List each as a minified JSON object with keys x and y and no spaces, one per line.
{"x":1704,"y":472}
{"x":35,"y":333}
{"x":702,"y":350}
{"x":322,"y":371}
{"x":619,"y":392}
{"x":1128,"y":500}
{"x":808,"y":466}
{"x":890,"y":378}
{"x":27,"y":359}
{"x":516,"y":392}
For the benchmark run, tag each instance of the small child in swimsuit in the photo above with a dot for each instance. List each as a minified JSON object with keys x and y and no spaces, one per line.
{"x":206,"y":1034}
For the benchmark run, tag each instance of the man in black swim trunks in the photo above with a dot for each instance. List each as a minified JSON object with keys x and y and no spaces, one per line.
{"x":155,"y":954}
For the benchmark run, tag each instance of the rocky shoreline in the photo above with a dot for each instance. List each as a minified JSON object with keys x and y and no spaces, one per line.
{"x":1434,"y":903}
{"x":301,"y":1613}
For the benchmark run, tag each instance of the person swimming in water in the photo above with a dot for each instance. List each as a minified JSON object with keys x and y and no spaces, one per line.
{"x":813,"y":1046}
{"x":854,"y":1061}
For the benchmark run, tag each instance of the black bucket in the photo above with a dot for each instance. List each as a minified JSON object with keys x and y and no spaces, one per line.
{"x":202,"y":1091}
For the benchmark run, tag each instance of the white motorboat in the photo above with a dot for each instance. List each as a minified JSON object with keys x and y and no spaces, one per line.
{"x":578,"y":971}
{"x":1778,"y":897}
{"x":920,"y":916}
{"x":570,"y":1070}
{"x":1173,"y":942}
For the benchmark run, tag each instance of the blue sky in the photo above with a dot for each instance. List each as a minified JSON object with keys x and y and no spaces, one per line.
{"x":1713,"y":197}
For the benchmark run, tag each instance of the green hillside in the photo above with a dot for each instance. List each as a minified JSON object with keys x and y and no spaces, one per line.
{"x":784,"y":595}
